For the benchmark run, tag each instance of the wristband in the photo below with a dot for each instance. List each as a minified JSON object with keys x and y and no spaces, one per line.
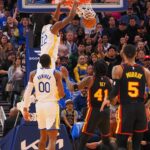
{"x":75,"y":86}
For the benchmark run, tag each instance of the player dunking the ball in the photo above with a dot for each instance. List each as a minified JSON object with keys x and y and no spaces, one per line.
{"x":48,"y":90}
{"x":99,"y":86}
{"x":129,"y":84}
{"x":50,"y":38}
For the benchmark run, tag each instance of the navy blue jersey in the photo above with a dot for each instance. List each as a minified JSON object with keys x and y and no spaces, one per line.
{"x":100,"y":89}
{"x":132,"y":84}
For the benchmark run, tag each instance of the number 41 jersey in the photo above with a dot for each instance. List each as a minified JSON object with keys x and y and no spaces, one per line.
{"x":132,"y":84}
{"x":99,"y":90}
{"x":45,"y":85}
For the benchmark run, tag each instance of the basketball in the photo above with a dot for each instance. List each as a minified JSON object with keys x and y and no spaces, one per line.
{"x":89,"y":23}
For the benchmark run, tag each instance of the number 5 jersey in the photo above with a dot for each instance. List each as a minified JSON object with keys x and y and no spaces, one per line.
{"x":132,"y":84}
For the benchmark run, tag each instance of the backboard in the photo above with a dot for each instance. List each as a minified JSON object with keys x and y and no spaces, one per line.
{"x":33,"y":6}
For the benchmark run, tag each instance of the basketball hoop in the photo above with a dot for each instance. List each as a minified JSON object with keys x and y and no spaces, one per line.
{"x":84,"y":11}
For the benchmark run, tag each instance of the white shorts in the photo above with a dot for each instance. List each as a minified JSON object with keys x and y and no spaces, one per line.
{"x":48,"y":115}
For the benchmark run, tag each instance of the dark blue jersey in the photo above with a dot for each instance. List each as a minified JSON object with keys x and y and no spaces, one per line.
{"x":132,"y":84}
{"x":100,"y":89}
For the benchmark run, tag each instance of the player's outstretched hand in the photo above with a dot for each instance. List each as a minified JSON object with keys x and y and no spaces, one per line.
{"x":26,"y":115}
{"x":64,"y":72}
{"x":62,"y":2}
{"x":93,"y":145}
{"x":106,"y":102}
{"x":76,"y":2}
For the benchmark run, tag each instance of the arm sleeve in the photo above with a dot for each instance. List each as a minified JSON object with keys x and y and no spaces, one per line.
{"x":115,"y":89}
{"x":27,"y":94}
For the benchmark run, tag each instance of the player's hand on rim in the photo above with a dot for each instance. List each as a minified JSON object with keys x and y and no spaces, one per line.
{"x":26,"y":115}
{"x":61,"y":2}
{"x":105,"y":103}
{"x":76,"y":1}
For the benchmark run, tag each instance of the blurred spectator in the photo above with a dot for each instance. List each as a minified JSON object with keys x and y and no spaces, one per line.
{"x":120,"y":32}
{"x":130,"y":14}
{"x":74,"y":25}
{"x":105,"y":42}
{"x":147,"y":16}
{"x":80,"y":35}
{"x":80,"y":70}
{"x":147,"y":62}
{"x":74,"y":57}
{"x":71,"y":45}
{"x":132,"y":30}
{"x":137,"y":39}
{"x":140,"y":57}
{"x":3,"y":18}
{"x":111,"y":30}
{"x":15,"y":75}
{"x":3,"y":47}
{"x":69,"y":115}
{"x":4,"y":66}
{"x":63,"y":50}
{"x":90,"y":70}
{"x":112,"y":59}
{"x":24,"y":26}
{"x":80,"y":102}
{"x":94,"y":57}
{"x":62,"y":38}
{"x":10,"y":121}
{"x":144,"y":47}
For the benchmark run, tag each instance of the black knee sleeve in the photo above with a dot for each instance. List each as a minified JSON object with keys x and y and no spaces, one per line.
{"x":136,"y":141}
{"x":122,"y":141}
{"x":83,"y":140}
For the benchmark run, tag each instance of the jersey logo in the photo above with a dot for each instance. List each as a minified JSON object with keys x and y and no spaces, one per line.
{"x":38,"y":52}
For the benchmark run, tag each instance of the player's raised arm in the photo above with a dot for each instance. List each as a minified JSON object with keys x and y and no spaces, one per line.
{"x":57,"y":11}
{"x":147,"y":75}
{"x":116,"y":75}
{"x":61,"y":24}
{"x":86,"y":82}
{"x":59,"y":84}
{"x":27,"y":95}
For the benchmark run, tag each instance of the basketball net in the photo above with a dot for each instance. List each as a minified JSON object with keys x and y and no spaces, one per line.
{"x":84,"y":10}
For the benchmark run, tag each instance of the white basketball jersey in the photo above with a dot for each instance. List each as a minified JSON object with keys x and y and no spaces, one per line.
{"x":49,"y":44}
{"x":45,"y":85}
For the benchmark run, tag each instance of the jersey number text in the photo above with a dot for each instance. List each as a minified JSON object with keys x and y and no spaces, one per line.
{"x":99,"y":94}
{"x":44,"y":87}
{"x":133,"y":89}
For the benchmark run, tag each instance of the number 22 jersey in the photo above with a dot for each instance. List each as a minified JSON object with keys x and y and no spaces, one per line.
{"x":49,"y":43}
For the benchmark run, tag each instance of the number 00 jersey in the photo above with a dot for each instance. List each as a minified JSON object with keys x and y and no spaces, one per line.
{"x":100,"y":89}
{"x":45,"y":85}
{"x":49,"y":44}
{"x":132,"y":84}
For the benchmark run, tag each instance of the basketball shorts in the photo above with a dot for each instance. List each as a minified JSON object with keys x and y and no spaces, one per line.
{"x":97,"y":120}
{"x":131,"y":118}
{"x":48,"y":115}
